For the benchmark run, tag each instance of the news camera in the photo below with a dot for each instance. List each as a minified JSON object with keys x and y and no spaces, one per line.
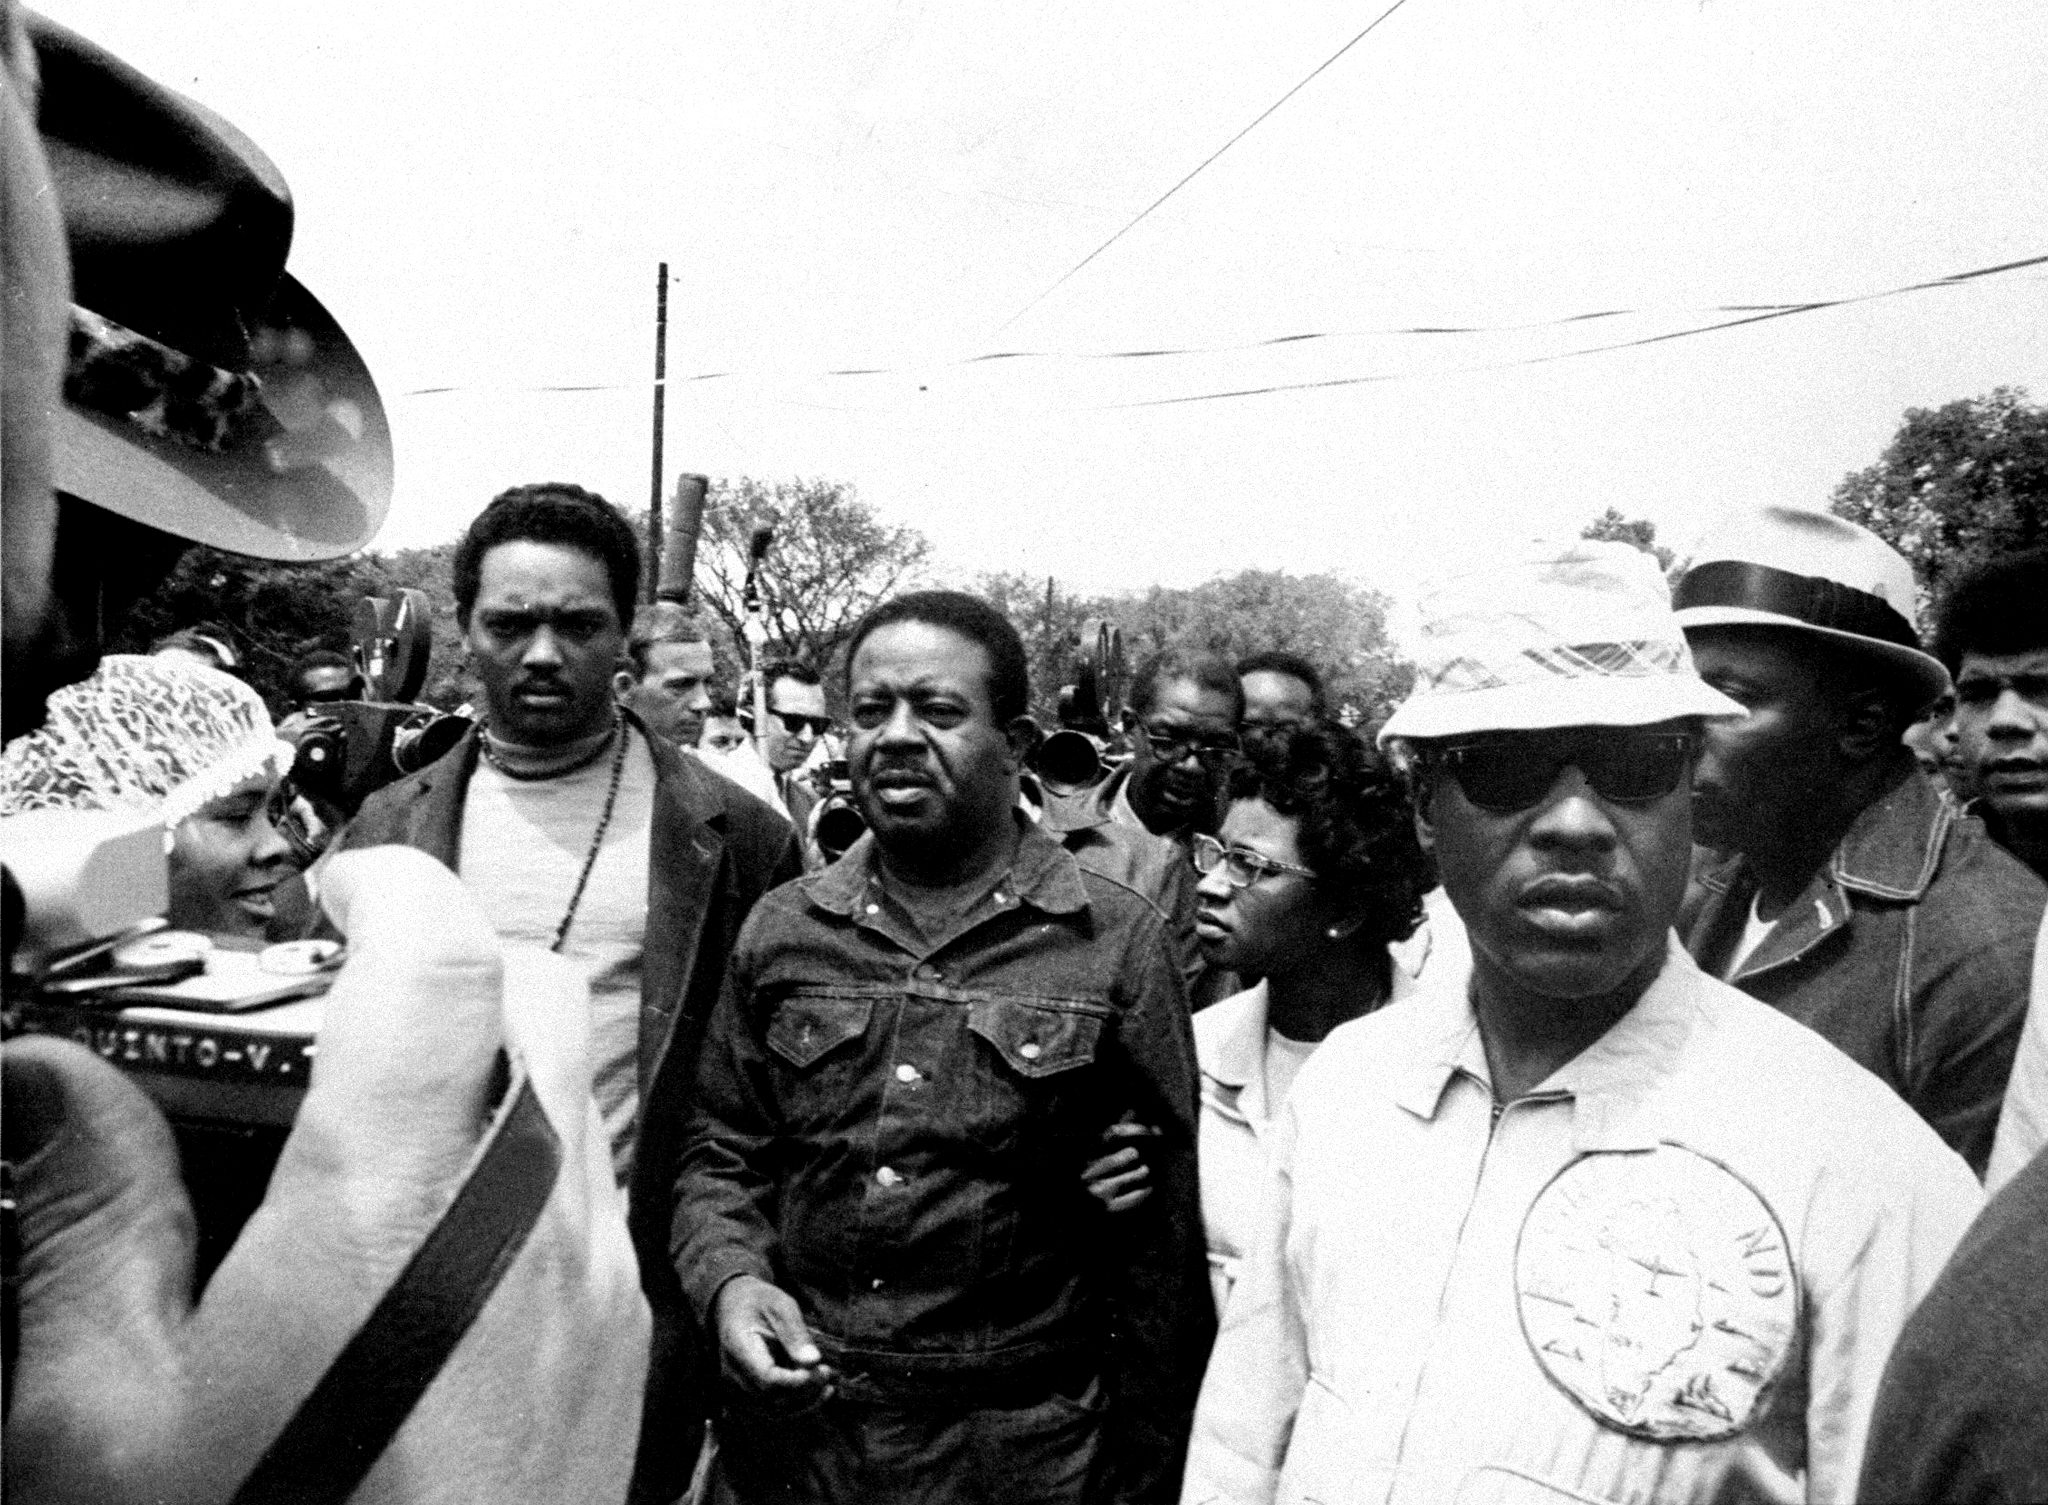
{"x":837,"y":823}
{"x":353,"y":748}
{"x":1091,"y":703}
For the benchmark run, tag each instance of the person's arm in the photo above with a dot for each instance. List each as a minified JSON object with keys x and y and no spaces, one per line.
{"x":1972,"y":969}
{"x":1258,"y":1370}
{"x":722,"y":1236}
{"x":2023,"y":1115}
{"x":1884,"y":1253}
{"x":1164,"y":1316}
{"x":126,"y":1389}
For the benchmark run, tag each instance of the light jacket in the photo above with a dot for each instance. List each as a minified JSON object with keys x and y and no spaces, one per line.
{"x":1911,"y":951}
{"x":1669,"y":1273}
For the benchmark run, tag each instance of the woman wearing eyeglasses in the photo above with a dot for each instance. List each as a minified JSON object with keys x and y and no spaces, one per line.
{"x":1313,"y":875}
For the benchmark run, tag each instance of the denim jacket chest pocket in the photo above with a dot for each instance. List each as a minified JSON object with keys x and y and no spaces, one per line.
{"x":813,"y":1037}
{"x":1030,"y":1054}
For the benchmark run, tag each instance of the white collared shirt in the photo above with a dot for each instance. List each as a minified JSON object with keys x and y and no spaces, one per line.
{"x":1442,"y":1306}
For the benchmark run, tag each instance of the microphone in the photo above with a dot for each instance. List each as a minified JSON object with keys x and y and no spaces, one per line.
{"x":679,"y":543}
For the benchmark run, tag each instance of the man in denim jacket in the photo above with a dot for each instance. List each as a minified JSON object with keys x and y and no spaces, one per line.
{"x":880,"y":1211}
{"x":1848,"y":894}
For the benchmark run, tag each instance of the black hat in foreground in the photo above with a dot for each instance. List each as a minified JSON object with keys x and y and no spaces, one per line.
{"x":208,"y":394}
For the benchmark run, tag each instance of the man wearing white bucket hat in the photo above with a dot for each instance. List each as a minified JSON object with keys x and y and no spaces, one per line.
{"x":1847,"y":893}
{"x":1580,"y":1222}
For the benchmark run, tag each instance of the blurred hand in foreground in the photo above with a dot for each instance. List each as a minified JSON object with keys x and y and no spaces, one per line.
{"x":125,"y":1390}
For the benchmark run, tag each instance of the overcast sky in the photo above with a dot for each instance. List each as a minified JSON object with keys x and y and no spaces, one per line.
{"x":484,"y":192}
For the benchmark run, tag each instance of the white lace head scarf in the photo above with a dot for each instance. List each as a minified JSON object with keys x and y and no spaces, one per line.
{"x":143,"y":734}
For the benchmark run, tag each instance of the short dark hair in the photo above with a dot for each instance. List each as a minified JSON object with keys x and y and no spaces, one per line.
{"x":788,"y":668}
{"x":319,"y":658}
{"x":662,"y":622}
{"x":1212,"y":671}
{"x":554,"y":512}
{"x":1997,"y":607}
{"x":1009,"y":672}
{"x":1356,"y":823}
{"x":723,"y":702}
{"x":1293,"y":665}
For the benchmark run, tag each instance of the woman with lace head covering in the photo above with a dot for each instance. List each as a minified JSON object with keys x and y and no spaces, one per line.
{"x":189,"y":744}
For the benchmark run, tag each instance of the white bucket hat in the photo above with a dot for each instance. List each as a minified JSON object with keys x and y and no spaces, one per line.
{"x":1810,"y":572}
{"x":1564,"y":634}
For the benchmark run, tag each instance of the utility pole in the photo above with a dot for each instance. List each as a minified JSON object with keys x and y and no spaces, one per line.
{"x":660,"y":393}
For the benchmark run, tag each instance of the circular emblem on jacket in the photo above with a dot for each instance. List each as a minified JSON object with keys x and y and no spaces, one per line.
{"x":1656,"y":1289}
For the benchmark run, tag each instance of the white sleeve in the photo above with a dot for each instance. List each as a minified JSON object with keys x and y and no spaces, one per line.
{"x":1259,"y":1367}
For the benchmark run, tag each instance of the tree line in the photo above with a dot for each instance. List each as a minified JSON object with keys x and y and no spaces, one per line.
{"x":1956,"y":484}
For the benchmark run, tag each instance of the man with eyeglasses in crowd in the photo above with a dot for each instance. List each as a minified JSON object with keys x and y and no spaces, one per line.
{"x":797,"y":722}
{"x":1580,"y":1220}
{"x":1282,"y":690}
{"x":1182,"y":721}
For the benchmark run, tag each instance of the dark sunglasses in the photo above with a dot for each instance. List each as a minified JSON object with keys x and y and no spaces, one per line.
{"x":1512,"y":774}
{"x":1171,"y":747}
{"x":792,"y":723}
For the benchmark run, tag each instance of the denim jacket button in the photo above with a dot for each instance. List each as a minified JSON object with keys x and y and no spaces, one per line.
{"x":888,"y":1176}
{"x":907,"y":1073}
{"x":1029,"y":1050}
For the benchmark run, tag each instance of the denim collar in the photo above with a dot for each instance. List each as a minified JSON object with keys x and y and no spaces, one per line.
{"x":1043,"y":875}
{"x":1894,"y":847}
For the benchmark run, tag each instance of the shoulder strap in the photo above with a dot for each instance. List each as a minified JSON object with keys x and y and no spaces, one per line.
{"x":343,"y":1427}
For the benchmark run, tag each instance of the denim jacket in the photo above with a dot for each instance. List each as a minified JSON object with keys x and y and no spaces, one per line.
{"x":1911,"y":950}
{"x":894,"y":1135}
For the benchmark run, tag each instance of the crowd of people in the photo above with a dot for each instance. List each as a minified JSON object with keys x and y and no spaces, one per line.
{"x":1587,"y":1084}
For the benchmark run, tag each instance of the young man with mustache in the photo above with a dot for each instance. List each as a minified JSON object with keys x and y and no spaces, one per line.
{"x":582,"y":831}
{"x":880,"y":1210}
{"x":1578,"y":1221}
{"x":1844,"y":890}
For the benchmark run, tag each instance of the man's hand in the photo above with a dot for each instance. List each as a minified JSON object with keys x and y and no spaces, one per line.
{"x":766,"y":1341}
{"x":1121,"y":1179}
{"x":127,"y":1391}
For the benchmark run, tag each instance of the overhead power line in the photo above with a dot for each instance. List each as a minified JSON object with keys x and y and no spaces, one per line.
{"x":1774,"y":311}
{"x":1750,"y":313}
{"x":1226,"y":146}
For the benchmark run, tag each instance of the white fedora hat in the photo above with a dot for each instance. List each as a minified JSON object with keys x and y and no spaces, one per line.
{"x":1576,"y":633}
{"x":1814,"y":573}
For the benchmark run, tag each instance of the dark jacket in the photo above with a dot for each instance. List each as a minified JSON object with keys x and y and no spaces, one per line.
{"x":1107,"y":840}
{"x":1911,"y":951}
{"x":894,"y":1135}
{"x":715,"y":849}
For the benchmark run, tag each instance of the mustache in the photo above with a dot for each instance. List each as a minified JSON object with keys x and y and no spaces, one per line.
{"x":1578,"y":890}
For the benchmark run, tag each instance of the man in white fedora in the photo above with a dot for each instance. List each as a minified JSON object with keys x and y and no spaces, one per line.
{"x":1843,"y":890}
{"x":1578,"y":1222}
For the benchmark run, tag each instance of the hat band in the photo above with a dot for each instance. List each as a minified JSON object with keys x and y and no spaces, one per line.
{"x":119,"y":373}
{"x":1812,"y":599}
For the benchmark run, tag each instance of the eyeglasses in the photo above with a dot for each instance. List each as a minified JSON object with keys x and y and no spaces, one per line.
{"x":792,"y":723}
{"x":1171,"y":747}
{"x":1241,"y":869}
{"x":1514,"y":773}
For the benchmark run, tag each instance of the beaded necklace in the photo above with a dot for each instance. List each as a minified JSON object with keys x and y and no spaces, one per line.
{"x":619,"y":738}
